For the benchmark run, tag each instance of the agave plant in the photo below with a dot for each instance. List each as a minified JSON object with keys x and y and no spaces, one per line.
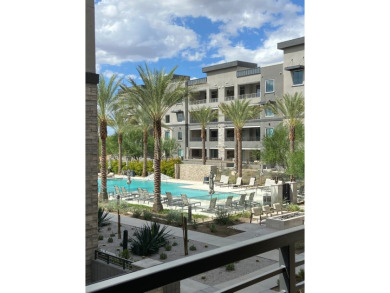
{"x":103,"y":219}
{"x":149,"y":239}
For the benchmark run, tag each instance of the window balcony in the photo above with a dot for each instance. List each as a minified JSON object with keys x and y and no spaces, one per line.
{"x":197,"y":102}
{"x":229,"y":98}
{"x":195,"y":139}
{"x":213,"y":100}
{"x":174,"y":271}
{"x":249,"y":96}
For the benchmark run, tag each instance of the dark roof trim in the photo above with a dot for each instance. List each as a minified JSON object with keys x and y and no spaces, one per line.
{"x":228,"y":65}
{"x":176,"y":111}
{"x":295,"y":67}
{"x":291,"y":43}
{"x":92,"y":78}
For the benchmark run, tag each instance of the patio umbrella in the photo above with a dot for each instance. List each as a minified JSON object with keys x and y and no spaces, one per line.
{"x":128,"y":180}
{"x":127,"y":162}
{"x":211,"y":183}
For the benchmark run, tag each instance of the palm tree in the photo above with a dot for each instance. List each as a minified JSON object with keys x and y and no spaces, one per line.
{"x":239,"y":112}
{"x":155,"y":97}
{"x":204,"y":116}
{"x":292,"y":109}
{"x":119,"y":122}
{"x":106,"y":99}
{"x":144,"y":122}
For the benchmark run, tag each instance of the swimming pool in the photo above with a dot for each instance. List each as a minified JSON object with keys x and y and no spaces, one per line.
{"x":174,"y":188}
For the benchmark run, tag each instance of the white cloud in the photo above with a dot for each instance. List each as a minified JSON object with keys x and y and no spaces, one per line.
{"x":129,"y":30}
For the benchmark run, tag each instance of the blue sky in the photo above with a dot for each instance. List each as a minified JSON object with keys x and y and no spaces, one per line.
{"x":191,"y":34}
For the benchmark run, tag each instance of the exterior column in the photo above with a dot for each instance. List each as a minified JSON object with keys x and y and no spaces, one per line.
{"x":221,"y":141}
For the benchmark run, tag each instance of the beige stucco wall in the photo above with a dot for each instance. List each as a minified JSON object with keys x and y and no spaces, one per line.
{"x":195,"y":172}
{"x":293,"y":56}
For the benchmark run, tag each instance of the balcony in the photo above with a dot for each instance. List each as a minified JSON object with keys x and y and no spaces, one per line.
{"x":171,"y":272}
{"x":213,"y":100}
{"x":246,"y":72}
{"x":195,"y":139}
{"x":197,"y":81}
{"x":197,"y":102}
{"x":249,"y":96}
{"x":229,"y":98}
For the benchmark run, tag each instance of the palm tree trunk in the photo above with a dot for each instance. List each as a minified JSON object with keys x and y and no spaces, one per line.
{"x":145,"y":152}
{"x":120,"y":138}
{"x":203,"y":146}
{"x":239,"y":152}
{"x":103,"y":170}
{"x":157,"y":206}
{"x":235,"y":148}
{"x":291,"y":136}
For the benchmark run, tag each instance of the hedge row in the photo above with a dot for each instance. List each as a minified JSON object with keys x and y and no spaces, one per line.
{"x":167,"y":166}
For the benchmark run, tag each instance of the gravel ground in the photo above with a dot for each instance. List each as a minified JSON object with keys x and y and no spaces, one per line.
{"x":212,"y":277}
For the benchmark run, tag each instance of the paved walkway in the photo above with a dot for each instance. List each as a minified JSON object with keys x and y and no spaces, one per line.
{"x":250,"y":231}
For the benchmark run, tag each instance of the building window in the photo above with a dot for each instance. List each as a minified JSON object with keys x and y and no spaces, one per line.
{"x":180,"y":117}
{"x":269,"y":86}
{"x":180,"y":102}
{"x":268,"y":113}
{"x":167,"y":134}
{"x":297,"y":77}
{"x":166,"y":118}
{"x":180,"y":135}
{"x":269,"y":131}
{"x":242,"y":90}
{"x":180,"y":152}
{"x":257,"y":90}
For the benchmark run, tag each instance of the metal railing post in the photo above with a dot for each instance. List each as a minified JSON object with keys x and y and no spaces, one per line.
{"x":287,"y":259}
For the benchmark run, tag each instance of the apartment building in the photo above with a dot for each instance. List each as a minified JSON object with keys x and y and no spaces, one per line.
{"x":224,"y":83}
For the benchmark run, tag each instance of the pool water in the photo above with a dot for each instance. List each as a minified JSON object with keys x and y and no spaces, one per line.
{"x":174,"y":188}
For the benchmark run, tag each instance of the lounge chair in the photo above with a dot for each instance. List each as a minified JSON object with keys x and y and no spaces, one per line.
{"x":241,"y":203}
{"x":144,"y":196}
{"x":128,"y":195}
{"x":211,"y":208}
{"x":251,"y":184}
{"x":250,"y":202}
{"x":186,"y":202}
{"x":238,"y":182}
{"x":267,"y":210}
{"x":224,"y":181}
{"x":172,"y":201}
{"x":256,"y":212}
{"x":228,"y":206}
{"x":278,"y":208}
{"x":117,"y":192}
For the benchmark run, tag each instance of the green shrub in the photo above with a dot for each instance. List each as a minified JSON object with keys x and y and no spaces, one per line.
{"x":192,"y":247}
{"x":149,"y":239}
{"x":168,"y":166}
{"x":137,"y":213}
{"x":173,"y":218}
{"x":109,"y":229}
{"x":203,"y":277}
{"x":230,"y":267}
{"x":222,"y":217}
{"x":168,"y":247}
{"x":194,"y":224}
{"x":293,"y":208}
{"x":100,"y":237}
{"x":174,"y":243}
{"x":147,"y":215}
{"x":103,"y":219}
{"x":125,"y":254}
{"x":112,"y":235}
{"x":110,"y":240}
{"x":163,"y":256}
{"x":213,"y":228}
{"x":206,"y":246}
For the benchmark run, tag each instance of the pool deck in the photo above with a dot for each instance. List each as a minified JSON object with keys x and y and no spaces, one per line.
{"x":202,"y":186}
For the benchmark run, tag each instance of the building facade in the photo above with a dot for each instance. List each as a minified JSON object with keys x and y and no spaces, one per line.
{"x":225,"y":83}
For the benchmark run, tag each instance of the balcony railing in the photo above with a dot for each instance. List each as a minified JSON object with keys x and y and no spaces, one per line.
{"x":195,"y":139}
{"x":174,"y":271}
{"x":213,"y":138}
{"x":249,"y":96}
{"x":229,"y":98}
{"x":247,"y":72}
{"x":197,"y":81}
{"x":197,"y":102}
{"x":213,"y":100}
{"x":229,"y":138}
